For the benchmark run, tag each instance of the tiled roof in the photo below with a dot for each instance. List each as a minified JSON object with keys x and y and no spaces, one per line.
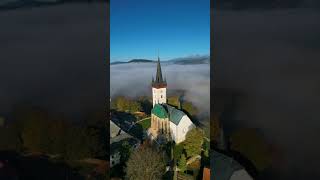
{"x":159,"y":111}
{"x":175,"y":115}
{"x":166,"y":111}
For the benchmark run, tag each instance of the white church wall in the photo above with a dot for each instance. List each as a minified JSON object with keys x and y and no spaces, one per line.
{"x":183,"y":127}
{"x":173,"y":130}
{"x":159,"y":95}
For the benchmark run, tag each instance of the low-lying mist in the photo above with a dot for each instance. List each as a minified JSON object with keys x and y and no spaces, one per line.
{"x":134,"y":79}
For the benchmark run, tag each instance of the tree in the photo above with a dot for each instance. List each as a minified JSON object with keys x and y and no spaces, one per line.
{"x":182,"y":165}
{"x":125,"y":151}
{"x":189,"y":108}
{"x":146,"y":104}
{"x":145,"y":163}
{"x":134,"y":106}
{"x":173,"y":100}
{"x":121,"y":103}
{"x":193,"y":142}
{"x":177,"y":151}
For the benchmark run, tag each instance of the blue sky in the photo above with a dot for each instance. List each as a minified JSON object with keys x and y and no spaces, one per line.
{"x":178,"y":28}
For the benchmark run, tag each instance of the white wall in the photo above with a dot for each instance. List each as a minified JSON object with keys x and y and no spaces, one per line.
{"x":179,"y":132}
{"x":114,"y":159}
{"x":159,"y":96}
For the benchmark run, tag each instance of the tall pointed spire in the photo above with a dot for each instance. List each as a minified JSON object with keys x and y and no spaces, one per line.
{"x":158,"y":81}
{"x":159,"y":72}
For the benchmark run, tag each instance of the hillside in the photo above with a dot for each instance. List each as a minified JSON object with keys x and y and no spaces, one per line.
{"x":180,"y":61}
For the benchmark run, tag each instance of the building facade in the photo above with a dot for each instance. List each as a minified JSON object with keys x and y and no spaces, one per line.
{"x":166,"y":120}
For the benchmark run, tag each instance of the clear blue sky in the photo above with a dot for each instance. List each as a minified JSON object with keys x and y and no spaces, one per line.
{"x":178,"y":28}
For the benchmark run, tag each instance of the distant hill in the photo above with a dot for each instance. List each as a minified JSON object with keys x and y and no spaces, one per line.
{"x":180,"y":61}
{"x":192,"y":60}
{"x":140,"y":60}
{"x":133,"y":61}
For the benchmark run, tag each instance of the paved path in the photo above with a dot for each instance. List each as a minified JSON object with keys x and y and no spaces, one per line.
{"x":142,"y":119}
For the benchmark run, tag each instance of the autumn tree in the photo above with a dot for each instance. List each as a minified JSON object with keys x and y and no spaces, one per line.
{"x":189,"y":108}
{"x":182,"y":164}
{"x":134,"y":106}
{"x":193,"y":142}
{"x":145,"y":163}
{"x":173,"y":100}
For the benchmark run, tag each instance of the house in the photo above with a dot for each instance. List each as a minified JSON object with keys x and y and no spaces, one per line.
{"x":117,"y":138}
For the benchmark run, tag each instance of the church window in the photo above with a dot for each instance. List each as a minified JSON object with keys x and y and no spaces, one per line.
{"x":185,"y":130}
{"x":161,"y":96}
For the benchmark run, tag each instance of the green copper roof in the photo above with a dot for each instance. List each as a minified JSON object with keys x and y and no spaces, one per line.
{"x":159,"y":111}
{"x":175,"y":115}
{"x":165,"y":110}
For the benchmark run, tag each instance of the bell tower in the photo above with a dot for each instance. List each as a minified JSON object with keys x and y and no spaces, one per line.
{"x":159,"y":87}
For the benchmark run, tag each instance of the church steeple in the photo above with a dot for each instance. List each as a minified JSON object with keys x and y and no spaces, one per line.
{"x":159,"y":81}
{"x":159,"y":87}
{"x":159,"y":72}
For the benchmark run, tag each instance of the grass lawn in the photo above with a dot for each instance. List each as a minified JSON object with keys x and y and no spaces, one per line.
{"x":145,"y":123}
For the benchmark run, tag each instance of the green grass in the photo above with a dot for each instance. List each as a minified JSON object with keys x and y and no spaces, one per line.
{"x":145,"y":123}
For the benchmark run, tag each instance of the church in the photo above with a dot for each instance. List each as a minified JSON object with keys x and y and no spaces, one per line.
{"x":167,"y":122}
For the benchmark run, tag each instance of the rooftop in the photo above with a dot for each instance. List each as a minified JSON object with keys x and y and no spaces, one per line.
{"x":166,"y":111}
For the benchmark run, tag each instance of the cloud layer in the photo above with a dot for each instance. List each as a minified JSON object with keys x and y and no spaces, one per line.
{"x":134,"y":80}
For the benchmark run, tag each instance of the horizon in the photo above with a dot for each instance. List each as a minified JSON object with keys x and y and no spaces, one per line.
{"x":165,"y":60}
{"x":145,"y":30}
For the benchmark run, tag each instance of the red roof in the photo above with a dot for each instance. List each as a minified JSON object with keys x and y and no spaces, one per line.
{"x":206,"y":174}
